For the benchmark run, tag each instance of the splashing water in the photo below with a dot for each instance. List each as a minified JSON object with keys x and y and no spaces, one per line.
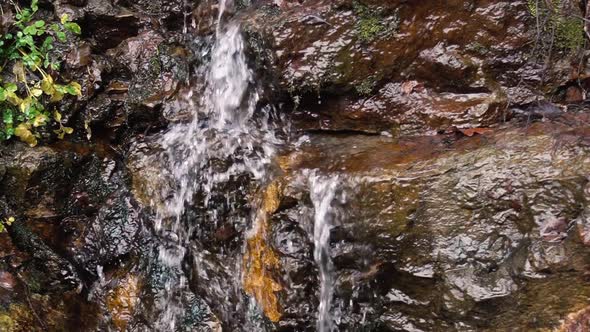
{"x":226,"y":128}
{"x":323,"y":192}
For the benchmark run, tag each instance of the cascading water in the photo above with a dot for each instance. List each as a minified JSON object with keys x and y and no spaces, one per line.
{"x":227,"y":129}
{"x":323,"y":194}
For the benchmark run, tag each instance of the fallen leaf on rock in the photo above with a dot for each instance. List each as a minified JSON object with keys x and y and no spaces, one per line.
{"x":412,"y":86}
{"x":472,"y":131}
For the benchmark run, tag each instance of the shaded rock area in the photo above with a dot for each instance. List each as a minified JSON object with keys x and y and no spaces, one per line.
{"x":462,"y":152}
{"x":78,"y":255}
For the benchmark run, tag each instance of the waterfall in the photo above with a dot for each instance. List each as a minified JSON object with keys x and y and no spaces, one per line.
{"x":323,"y":193}
{"x":227,"y":128}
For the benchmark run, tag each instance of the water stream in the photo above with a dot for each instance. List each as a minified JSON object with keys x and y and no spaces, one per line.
{"x":323,"y":193}
{"x":229,"y":136}
{"x":328,"y":195}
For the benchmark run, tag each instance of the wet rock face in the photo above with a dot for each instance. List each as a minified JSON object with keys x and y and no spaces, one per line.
{"x":104,"y":223}
{"x":355,"y":65}
{"x":129,"y":60}
{"x":76,"y":221}
{"x":474,"y":236}
{"x":217,"y":232}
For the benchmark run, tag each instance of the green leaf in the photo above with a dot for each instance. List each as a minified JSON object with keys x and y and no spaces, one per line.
{"x":61,"y":36}
{"x":7,"y":117}
{"x":73,"y":27}
{"x":40,"y":24}
{"x":34,"y":5}
{"x":30,"y":30}
{"x":9,"y":132}
{"x":74,"y":89}
{"x":2,"y":95}
{"x":47,"y":44}
{"x":10,"y":87}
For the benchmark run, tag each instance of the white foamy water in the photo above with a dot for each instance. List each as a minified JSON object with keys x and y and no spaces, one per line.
{"x":224,"y":130}
{"x":323,"y":194}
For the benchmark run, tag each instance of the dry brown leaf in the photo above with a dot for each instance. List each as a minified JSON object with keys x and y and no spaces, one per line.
{"x":472,"y":131}
{"x":412,"y":86}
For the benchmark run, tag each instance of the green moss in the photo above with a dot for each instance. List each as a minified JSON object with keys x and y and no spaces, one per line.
{"x":565,"y":29}
{"x":369,"y":28}
{"x":366,"y":87}
{"x":371,"y":23}
{"x":569,"y":33}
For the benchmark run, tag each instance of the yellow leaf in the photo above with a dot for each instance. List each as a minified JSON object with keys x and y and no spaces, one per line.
{"x":13,"y":98}
{"x":56,"y":96}
{"x":25,"y":104}
{"x":9,"y":221}
{"x":47,"y":85}
{"x":36,"y":92}
{"x":60,"y":133}
{"x":77,"y":87}
{"x":25,"y":135}
{"x":68,"y":130}
{"x":64,"y":18}
{"x":57,"y":116}
{"x":40,"y":120}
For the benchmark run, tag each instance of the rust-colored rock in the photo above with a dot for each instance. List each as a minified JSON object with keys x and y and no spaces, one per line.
{"x":122,"y":300}
{"x":260,"y":261}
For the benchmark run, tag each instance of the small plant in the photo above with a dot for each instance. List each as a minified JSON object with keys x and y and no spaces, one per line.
{"x":569,"y":33}
{"x":6,"y":222}
{"x":366,"y":87}
{"x":372,"y":22}
{"x":369,"y":25}
{"x":556,"y":25}
{"x":24,"y":100}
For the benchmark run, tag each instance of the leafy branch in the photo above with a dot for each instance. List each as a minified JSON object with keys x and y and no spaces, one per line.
{"x":27,"y":49}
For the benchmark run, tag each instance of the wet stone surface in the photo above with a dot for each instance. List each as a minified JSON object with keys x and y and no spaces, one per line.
{"x":469,"y":212}
{"x":351,"y":66}
{"x":476,"y":237}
